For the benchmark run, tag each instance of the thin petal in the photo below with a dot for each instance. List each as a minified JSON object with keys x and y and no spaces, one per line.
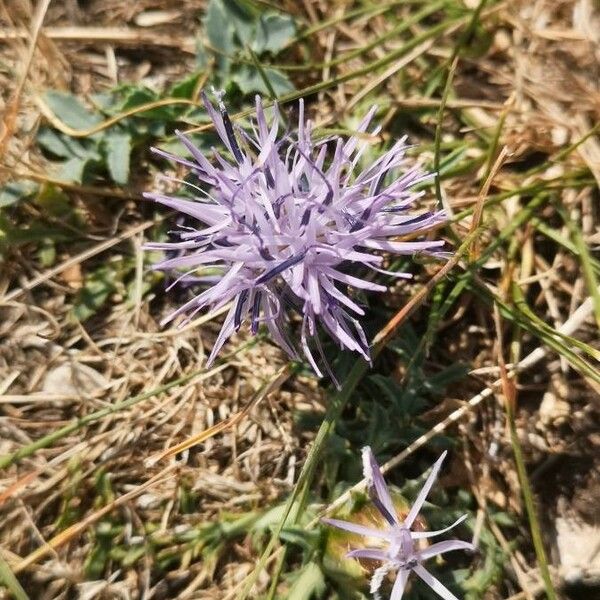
{"x":226,"y":331}
{"x":400,"y":584}
{"x":417,"y":535}
{"x":372,"y":473}
{"x":443,"y":547}
{"x":359,"y":529}
{"x":416,"y":507}
{"x":433,"y":583}
{"x":370,"y":553}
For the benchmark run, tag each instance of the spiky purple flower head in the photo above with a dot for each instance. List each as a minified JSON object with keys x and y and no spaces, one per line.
{"x":400,"y":552}
{"x":289,"y":221}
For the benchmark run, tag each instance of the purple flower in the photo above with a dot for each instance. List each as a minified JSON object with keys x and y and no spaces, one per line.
{"x":288,"y":222}
{"x":401,"y":554}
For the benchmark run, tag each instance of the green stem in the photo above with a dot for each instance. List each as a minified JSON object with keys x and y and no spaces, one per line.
{"x":530,"y":507}
{"x":452,"y":63}
{"x":334,"y":409}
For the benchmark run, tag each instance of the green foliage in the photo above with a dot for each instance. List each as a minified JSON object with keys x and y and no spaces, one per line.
{"x":97,"y":287}
{"x":234,"y":31}
{"x":10,"y":582}
{"x":117,"y":148}
{"x":13,"y":192}
{"x":52,"y":202}
{"x":309,"y":583}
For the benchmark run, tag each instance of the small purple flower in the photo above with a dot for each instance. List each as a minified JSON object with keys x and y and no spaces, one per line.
{"x":401,"y":554}
{"x":289,"y":219}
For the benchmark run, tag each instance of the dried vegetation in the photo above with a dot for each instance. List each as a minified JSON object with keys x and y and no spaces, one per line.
{"x":96,"y":509}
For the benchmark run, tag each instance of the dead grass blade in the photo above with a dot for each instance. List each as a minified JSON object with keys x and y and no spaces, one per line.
{"x":71,"y":532}
{"x":74,"y":260}
{"x":10,"y":115}
{"x":136,"y":110}
{"x":227,"y":423}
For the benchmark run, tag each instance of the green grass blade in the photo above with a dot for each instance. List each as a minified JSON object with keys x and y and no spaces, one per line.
{"x":585,"y":259}
{"x":10,"y":582}
{"x":530,"y":507}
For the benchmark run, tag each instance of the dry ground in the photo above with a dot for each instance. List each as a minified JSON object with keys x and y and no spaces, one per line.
{"x":530,"y":84}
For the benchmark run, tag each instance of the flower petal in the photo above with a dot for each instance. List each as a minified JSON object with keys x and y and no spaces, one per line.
{"x":370,"y":553}
{"x":359,"y":529}
{"x":443,"y":547}
{"x":416,"y":507}
{"x":400,"y":584}
{"x":433,"y":583}
{"x":373,"y":475}
{"x":418,"y":535}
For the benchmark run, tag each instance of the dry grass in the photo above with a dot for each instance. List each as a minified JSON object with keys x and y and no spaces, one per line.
{"x":532,"y":91}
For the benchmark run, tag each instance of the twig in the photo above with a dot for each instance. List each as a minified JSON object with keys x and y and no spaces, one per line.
{"x":13,"y":104}
{"x":126,"y":36}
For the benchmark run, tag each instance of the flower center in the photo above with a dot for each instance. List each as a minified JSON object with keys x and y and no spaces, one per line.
{"x":401,"y":547}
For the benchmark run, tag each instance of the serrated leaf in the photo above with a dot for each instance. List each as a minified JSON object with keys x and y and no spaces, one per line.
{"x":13,"y":192}
{"x":243,"y":20}
{"x":273,"y":32}
{"x":70,"y":111}
{"x":118,"y":151}
{"x":249,"y":80}
{"x":136,"y":96}
{"x":63,"y":146}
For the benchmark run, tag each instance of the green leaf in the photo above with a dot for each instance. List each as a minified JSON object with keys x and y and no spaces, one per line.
{"x":136,"y":96}
{"x":185,"y":88}
{"x":249,"y":80}
{"x":73,"y":169}
{"x":54,"y":143}
{"x":47,"y":253}
{"x":34,"y":232}
{"x":70,"y":111}
{"x":118,"y":152}
{"x":54,"y":202}
{"x":218,"y":27}
{"x":273,"y":33}
{"x":241,"y":17}
{"x":98,"y":286}
{"x":13,"y":192}
{"x":309,"y":584}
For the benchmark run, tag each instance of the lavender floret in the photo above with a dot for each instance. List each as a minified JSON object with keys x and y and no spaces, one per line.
{"x":401,"y":554}
{"x":290,"y":217}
